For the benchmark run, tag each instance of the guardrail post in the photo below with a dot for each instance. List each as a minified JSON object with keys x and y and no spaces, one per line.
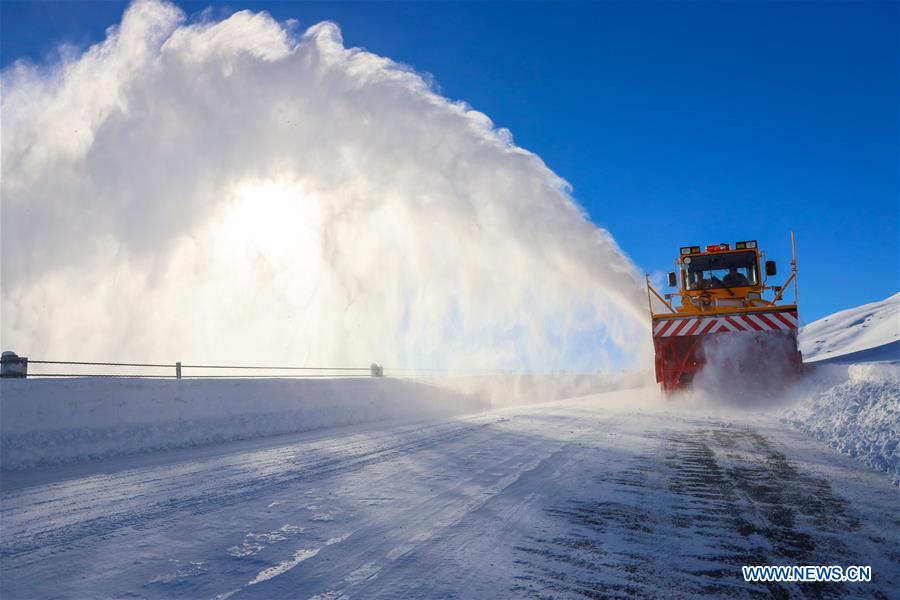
{"x":14,"y":366}
{"x":377,"y":371}
{"x":178,"y":370}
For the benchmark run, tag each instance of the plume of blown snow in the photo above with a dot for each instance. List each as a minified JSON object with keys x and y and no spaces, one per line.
{"x":222,"y":189}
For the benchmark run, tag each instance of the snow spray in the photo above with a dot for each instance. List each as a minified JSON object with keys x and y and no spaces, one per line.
{"x":751,"y":369}
{"x":239,"y":190}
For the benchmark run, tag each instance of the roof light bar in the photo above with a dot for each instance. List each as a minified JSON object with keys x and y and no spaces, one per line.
{"x":747,"y":244}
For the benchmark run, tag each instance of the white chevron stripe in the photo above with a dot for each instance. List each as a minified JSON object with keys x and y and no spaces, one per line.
{"x":662,"y":328}
{"x":675,"y":324}
{"x":758,"y":321}
{"x":687,"y":326}
{"x":678,"y":326}
{"x":706,"y":326}
{"x":779,"y":324}
{"x":790,"y":317}
{"x":724,"y":322}
{"x":718,"y":324}
{"x":667,"y":330}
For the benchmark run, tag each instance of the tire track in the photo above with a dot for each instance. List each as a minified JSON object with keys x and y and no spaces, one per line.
{"x":718,"y":498}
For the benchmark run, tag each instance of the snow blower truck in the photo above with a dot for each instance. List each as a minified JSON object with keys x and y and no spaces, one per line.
{"x":720,"y":293}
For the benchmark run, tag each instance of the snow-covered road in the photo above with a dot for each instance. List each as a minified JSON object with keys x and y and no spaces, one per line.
{"x":612,"y":495}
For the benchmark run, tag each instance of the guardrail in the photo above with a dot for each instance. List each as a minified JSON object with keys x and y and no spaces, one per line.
{"x":14,"y":366}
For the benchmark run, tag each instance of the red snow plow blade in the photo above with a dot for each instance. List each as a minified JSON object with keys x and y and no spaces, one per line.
{"x":684,"y":344}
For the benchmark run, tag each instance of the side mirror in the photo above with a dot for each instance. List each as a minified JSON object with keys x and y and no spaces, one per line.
{"x":770,"y":268}
{"x":672,"y":280}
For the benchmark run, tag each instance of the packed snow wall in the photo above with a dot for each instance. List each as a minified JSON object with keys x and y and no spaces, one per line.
{"x":855,"y":409}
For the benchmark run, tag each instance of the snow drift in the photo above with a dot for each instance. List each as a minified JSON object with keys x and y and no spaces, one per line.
{"x":200,"y":191}
{"x":856,"y":410}
{"x":850,"y":398}
{"x":51,"y":421}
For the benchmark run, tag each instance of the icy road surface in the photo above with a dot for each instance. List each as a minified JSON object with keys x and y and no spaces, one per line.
{"x":574,"y":498}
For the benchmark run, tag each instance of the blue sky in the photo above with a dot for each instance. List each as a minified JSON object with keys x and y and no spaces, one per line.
{"x":677,"y":123}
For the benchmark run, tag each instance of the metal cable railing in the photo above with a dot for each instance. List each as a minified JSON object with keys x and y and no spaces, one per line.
{"x":146,"y":376}
{"x":16,"y":366}
{"x":276,"y":368}
{"x":104,"y":375}
{"x":108,"y":364}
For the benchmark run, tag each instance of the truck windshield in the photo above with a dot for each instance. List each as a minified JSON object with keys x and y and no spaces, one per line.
{"x":713,"y":271}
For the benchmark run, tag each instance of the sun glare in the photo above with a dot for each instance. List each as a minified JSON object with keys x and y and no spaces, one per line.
{"x":276,"y":219}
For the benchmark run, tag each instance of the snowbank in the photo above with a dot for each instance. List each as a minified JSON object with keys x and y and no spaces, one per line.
{"x":855,"y":409}
{"x":851,"y":399}
{"x":871,"y":329}
{"x":46,"y":421}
